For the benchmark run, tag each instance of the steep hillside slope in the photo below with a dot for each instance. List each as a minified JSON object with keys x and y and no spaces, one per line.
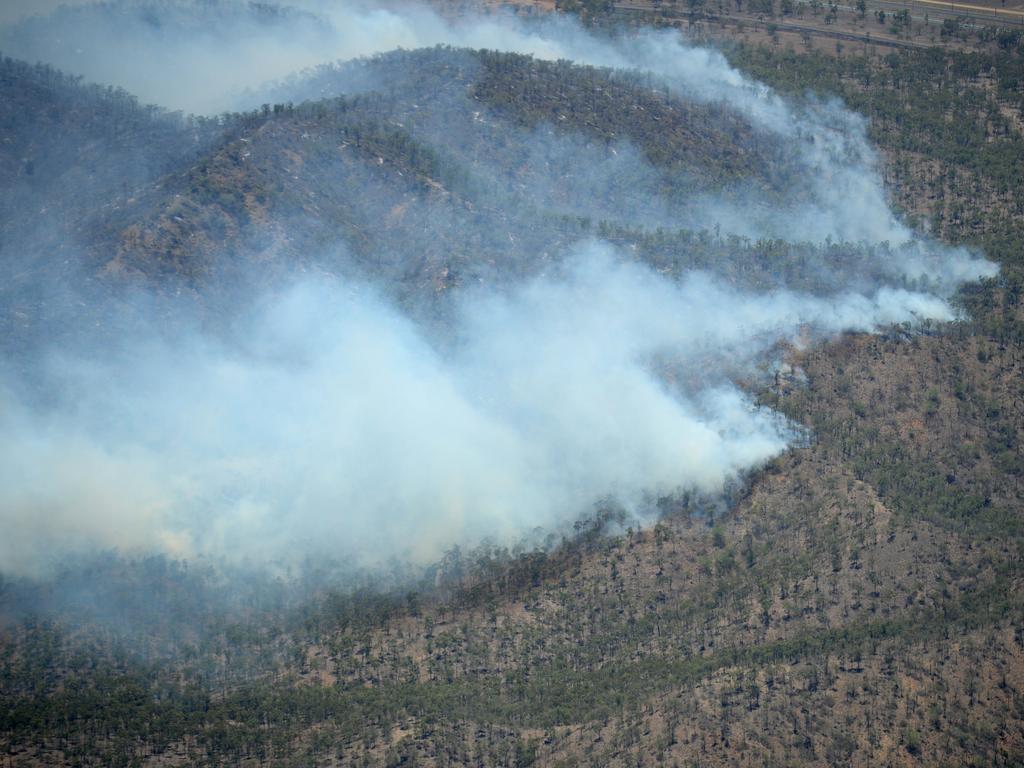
{"x":481,"y":151}
{"x":72,"y":159}
{"x":441,"y":168}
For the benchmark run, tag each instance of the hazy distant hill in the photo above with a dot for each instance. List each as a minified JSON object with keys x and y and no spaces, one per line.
{"x":422,"y":170}
{"x":72,"y":157}
{"x":480,"y":150}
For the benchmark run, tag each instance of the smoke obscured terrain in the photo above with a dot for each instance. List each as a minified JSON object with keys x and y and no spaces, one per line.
{"x":420,"y":299}
{"x":480,"y":389}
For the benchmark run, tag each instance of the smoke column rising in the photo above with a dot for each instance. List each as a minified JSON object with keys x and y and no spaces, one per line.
{"x":339,"y":428}
{"x":212,"y":57}
{"x":341,"y":431}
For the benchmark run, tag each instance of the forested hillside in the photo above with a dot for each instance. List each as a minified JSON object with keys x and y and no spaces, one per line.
{"x":73,"y":158}
{"x":479,"y":149}
{"x":856,"y":601}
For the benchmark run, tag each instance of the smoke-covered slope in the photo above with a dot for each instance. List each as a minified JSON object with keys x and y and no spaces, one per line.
{"x":72,"y":158}
{"x":482,"y":151}
{"x":471,"y":190}
{"x":438,"y":168}
{"x":464,"y":407}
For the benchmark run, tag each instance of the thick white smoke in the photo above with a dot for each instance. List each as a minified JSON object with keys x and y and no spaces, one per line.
{"x":339,"y":428}
{"x":341,"y":431}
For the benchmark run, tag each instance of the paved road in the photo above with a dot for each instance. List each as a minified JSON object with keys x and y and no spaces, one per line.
{"x":935,"y":10}
{"x":790,"y":26}
{"x":1009,"y":14}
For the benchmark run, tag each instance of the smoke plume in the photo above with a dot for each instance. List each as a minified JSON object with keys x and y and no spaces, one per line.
{"x":329,"y":423}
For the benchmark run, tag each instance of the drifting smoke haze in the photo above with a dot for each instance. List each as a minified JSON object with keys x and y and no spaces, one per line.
{"x":328,"y":422}
{"x":212,"y":57}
